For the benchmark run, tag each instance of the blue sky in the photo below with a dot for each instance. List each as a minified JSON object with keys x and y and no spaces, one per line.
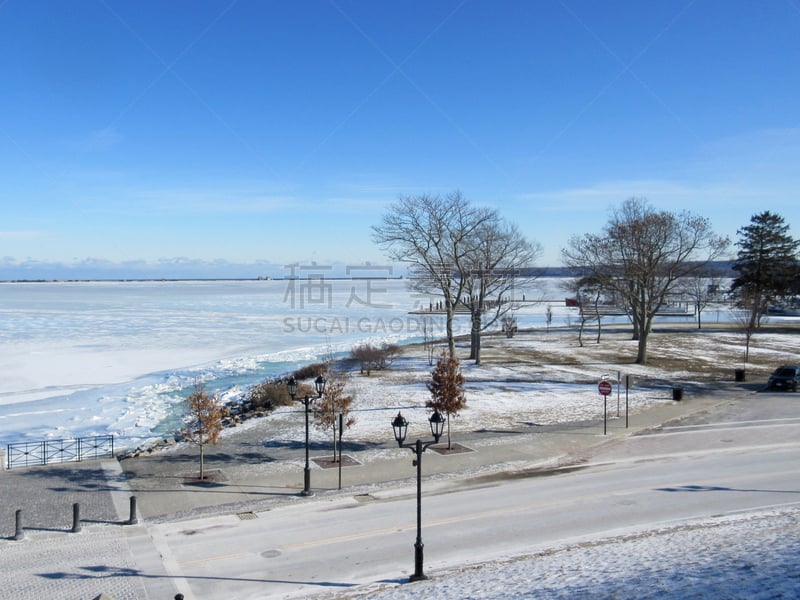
{"x":173,"y":138}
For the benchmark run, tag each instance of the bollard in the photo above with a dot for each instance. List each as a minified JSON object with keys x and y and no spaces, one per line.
{"x":19,"y":532}
{"x":76,"y":518}
{"x":133,"y":520}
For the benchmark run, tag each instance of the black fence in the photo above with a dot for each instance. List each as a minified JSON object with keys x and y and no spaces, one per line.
{"x":26,"y":454}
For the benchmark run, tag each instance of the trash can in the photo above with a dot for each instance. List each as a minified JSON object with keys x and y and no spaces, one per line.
{"x":677,"y":393}
{"x":739,"y":374}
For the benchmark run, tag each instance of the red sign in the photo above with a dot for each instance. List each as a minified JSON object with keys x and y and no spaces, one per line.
{"x":605,"y":387}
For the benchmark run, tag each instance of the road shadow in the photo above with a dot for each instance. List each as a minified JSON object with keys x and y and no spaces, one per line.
{"x":101,"y":572}
{"x":717,"y":488}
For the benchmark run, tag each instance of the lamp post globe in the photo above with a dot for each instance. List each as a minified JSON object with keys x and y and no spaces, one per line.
{"x":319,"y":385}
{"x":437,"y":422}
{"x":291,"y":386}
{"x":400,"y":427}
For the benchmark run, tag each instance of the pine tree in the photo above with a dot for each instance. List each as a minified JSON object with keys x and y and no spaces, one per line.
{"x":447,"y":389}
{"x":766,"y":263}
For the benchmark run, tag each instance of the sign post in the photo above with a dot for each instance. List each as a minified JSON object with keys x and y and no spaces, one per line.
{"x":605,"y":387}
{"x":627,"y":387}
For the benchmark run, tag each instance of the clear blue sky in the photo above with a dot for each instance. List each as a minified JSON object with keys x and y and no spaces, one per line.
{"x":208,"y":135}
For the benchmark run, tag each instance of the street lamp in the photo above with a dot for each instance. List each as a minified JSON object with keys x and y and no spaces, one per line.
{"x":400,"y":427}
{"x":340,"y":417}
{"x":319,"y":384}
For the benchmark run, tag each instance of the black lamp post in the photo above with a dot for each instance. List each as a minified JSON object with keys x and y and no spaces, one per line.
{"x":400,"y":427}
{"x":319,"y":383}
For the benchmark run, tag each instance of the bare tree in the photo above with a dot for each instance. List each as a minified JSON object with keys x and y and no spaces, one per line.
{"x":447,"y":389}
{"x":590,"y":309}
{"x":465,"y":253}
{"x":744,"y":319}
{"x":335,"y":401}
{"x":428,"y":340}
{"x":641,"y":254}
{"x":433,"y":234}
{"x":497,"y":255}
{"x":701,"y":289}
{"x":371,"y":357}
{"x":587,"y":293}
{"x":509,"y":325}
{"x":205,"y":421}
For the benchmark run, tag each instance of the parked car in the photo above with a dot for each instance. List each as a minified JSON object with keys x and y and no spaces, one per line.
{"x":785,"y":378}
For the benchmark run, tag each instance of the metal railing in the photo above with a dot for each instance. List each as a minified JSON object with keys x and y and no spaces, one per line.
{"x":26,"y":454}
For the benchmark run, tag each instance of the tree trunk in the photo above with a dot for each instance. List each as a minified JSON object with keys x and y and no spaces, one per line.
{"x":202,"y":471}
{"x":475,"y":337}
{"x":449,"y":444}
{"x":637,"y":334}
{"x":451,"y":342}
{"x":748,"y":334}
{"x":472,"y":343}
{"x":641,"y":354}
{"x":753,"y":324}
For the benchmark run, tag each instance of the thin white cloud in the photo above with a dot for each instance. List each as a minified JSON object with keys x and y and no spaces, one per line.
{"x":184,"y":200}
{"x":21,"y":235}
{"x":243,"y":201}
{"x":757,"y":168}
{"x":604,"y":195}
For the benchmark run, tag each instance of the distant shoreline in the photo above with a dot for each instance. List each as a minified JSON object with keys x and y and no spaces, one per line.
{"x":322,"y":272}
{"x":195,"y":279}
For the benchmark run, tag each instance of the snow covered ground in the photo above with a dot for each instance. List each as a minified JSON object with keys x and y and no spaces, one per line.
{"x":751,"y":556}
{"x":543,"y":378}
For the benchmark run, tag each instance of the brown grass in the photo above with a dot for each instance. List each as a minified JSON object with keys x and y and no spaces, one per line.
{"x":711,"y":353}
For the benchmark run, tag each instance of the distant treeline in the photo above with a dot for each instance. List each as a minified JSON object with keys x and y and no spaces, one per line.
{"x":720,"y":267}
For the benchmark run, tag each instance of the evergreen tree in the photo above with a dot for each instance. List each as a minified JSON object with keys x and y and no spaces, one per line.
{"x":766,"y":264}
